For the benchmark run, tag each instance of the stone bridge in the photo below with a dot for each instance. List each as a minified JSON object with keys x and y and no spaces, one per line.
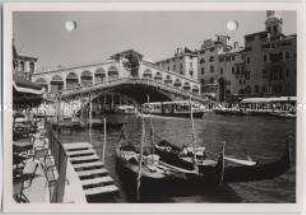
{"x":126,"y":72}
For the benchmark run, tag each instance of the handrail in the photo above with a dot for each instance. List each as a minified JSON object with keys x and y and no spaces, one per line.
{"x":60,"y":159}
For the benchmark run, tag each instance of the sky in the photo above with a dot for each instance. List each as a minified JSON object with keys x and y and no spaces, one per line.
{"x":155,"y":34}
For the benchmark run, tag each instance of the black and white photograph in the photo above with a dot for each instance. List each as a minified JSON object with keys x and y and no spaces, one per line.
{"x":111,"y":107}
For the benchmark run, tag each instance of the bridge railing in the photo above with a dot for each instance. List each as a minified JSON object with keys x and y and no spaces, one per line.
{"x":129,"y":80}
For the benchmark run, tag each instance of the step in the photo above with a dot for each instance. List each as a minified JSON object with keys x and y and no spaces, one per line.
{"x":84,"y":159}
{"x":92,"y":165}
{"x":81,"y":153}
{"x":69,"y":146}
{"x":77,"y":149}
{"x":92,"y":172}
{"x":101,"y":190}
{"x":96,"y":181}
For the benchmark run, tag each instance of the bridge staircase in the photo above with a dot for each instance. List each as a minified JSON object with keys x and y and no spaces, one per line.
{"x":96,"y":182}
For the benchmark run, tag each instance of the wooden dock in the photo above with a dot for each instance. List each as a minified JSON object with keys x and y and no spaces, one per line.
{"x":94,"y":177}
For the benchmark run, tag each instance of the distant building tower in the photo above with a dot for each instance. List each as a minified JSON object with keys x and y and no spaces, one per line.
{"x":274,"y":24}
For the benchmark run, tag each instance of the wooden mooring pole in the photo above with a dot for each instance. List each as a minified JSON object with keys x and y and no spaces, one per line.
{"x":104,"y":139}
{"x":90,"y":120}
{"x":138,"y":191}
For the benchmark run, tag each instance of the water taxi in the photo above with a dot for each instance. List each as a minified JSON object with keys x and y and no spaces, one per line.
{"x":276,"y":106}
{"x":175,"y":108}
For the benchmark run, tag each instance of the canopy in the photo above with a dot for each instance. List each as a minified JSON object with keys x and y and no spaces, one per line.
{"x":27,"y":93}
{"x":269,"y":100}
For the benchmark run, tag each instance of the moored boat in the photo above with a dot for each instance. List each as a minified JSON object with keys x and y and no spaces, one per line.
{"x":262,"y":170}
{"x":175,"y":109}
{"x":189,"y":166}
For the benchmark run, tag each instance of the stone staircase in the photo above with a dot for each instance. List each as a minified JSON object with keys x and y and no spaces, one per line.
{"x":94,"y":178}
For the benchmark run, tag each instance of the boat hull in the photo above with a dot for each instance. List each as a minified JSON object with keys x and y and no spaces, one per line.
{"x":180,"y":115}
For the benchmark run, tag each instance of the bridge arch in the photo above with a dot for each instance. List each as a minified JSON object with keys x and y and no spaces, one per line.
{"x":42,"y":82}
{"x":113,"y":73}
{"x":187,"y":86}
{"x":195,"y":89}
{"x":168,"y":80}
{"x":21,"y":66}
{"x":177,"y":83}
{"x":100,"y":75}
{"x":56,"y":84}
{"x":147,"y":74}
{"x":72,"y":81}
{"x":158,"y":77}
{"x":86,"y":78}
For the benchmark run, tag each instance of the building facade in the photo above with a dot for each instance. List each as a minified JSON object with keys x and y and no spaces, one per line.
{"x":217,"y":66}
{"x":265,"y":67}
{"x":24,"y":66}
{"x":184,"y":62}
{"x":270,"y":60}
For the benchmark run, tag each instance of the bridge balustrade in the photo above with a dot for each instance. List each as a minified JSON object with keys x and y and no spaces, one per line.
{"x":129,"y":80}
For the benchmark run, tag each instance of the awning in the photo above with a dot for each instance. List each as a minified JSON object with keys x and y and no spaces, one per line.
{"x":25,"y":86}
{"x":27,"y":93}
{"x":269,"y":100}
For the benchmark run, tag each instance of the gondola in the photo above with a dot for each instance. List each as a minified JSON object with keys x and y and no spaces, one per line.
{"x":128,"y":158}
{"x":189,"y":166}
{"x":235,"y":170}
{"x":137,"y":166}
{"x":262,"y":170}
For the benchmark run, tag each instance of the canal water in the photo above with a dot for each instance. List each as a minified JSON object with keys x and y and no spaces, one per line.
{"x":260,"y":137}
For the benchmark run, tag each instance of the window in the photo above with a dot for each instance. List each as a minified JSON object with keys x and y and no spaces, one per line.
{"x":202,"y":61}
{"x":202,"y":71}
{"x":248,"y":89}
{"x":21,"y":64}
{"x":168,"y":68}
{"x":287,"y":73}
{"x":281,"y":56}
{"x":202,"y":81}
{"x":221,"y":71}
{"x":212,"y":69}
{"x":32,"y":67}
{"x":264,"y":73}
{"x":233,"y":58}
{"x":181,"y":66}
{"x":281,"y":75}
{"x":248,"y":59}
{"x":265,"y":58}
{"x":212,"y":49}
{"x":174,"y":67}
{"x":238,"y":70}
{"x":256,"y":89}
{"x":191,"y":73}
{"x":181,"y":72}
{"x":211,"y":59}
{"x":247,"y":76}
{"x":233,"y":70}
{"x":211,"y":80}
{"x":221,"y":59}
{"x":287,"y":55}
